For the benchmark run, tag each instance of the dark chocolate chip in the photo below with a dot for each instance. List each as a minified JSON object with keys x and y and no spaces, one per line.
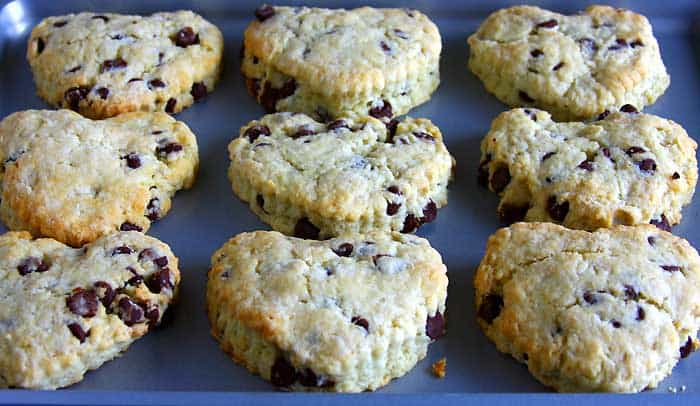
{"x":133,"y":160}
{"x":75,"y":69}
{"x":31,"y":264}
{"x":130,"y":312}
{"x":662,"y":223}
{"x":392,"y":208}
{"x":161,"y":262}
{"x":558,"y":66}
{"x":647,"y":165}
{"x":186,"y":37}
{"x":671,"y":268}
{"x":309,"y":379}
{"x":410,"y":224}
{"x":500,"y":179}
{"x":586,"y":165}
{"x":59,"y":24}
{"x":675,"y":176}
{"x":105,"y":293}
{"x":132,"y":80}
{"x":536,"y":53}
{"x":344,"y":250}
{"x":359,"y":321}
{"x":525,"y":97}
{"x":100,"y":17}
{"x":170,"y":105}
{"x":126,"y":226}
{"x":423,"y":136}
{"x":78,"y":332}
{"x":40,"y":45}
{"x":616,"y":323}
{"x":152,"y":314}
{"x":619,"y":44}
{"x":635,"y":150}
{"x":651,"y":240}
{"x":628,"y":108}
{"x":636,"y":43}
{"x":264,"y":12}
{"x":122,"y":250}
{"x":337,"y":124}
{"x":385,"y":110}
{"x":74,"y":95}
{"x":112,"y":64}
{"x":83,"y":302}
{"x":305,"y":229}
{"x":429,"y":212}
{"x":384,"y":47}
{"x":512,"y":213}
{"x":557,"y":211}
{"x":160,"y":281}
{"x":256,"y":131}
{"x":435,"y":326}
{"x":303,"y":131}
{"x":199,"y":91}
{"x":394,"y":189}
{"x":391,"y":127}
{"x":163,"y":150}
{"x":490,"y":307}
{"x":641,"y":314}
{"x":687,"y":348}
{"x":631,"y":293}
{"x":548,"y":155}
{"x":270,"y":95}
{"x":103,"y":92}
{"x":590,"y":297}
{"x":548,"y":24}
{"x":147,"y":254}
{"x":153,"y":209}
{"x":606,"y":152}
{"x":604,"y":114}
{"x":282,"y":373}
{"x":155,"y":83}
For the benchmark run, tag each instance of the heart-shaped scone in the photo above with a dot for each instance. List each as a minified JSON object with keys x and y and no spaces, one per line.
{"x":64,"y":311}
{"x":329,"y":63}
{"x":102,"y":65}
{"x":575,"y":66}
{"x":344,"y":315}
{"x":316,"y":180}
{"x":75,"y":179}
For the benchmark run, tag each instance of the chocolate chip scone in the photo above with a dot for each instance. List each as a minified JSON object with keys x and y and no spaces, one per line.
{"x":328,"y":63}
{"x":573,"y":66}
{"x":75,"y":179}
{"x":316,"y":180}
{"x":612,"y":310}
{"x":626,"y":168}
{"x":344,"y":315}
{"x":64,"y":311}
{"x":102,"y":65}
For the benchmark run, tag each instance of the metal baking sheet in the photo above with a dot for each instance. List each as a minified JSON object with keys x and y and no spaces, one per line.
{"x":181,"y":363}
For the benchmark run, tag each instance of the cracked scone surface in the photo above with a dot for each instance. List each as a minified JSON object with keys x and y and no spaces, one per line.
{"x":626,"y":168}
{"x":316,"y":180}
{"x":333,"y":62}
{"x":575,"y":66}
{"x":65,"y":311}
{"x":75,"y":179}
{"x":581,"y":312}
{"x":347,"y":314}
{"x":102,"y":65}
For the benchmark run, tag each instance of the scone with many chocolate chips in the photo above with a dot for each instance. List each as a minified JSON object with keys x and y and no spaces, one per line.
{"x":612,"y":310}
{"x":329,"y":63}
{"x":626,"y":168}
{"x":64,"y":311}
{"x":75,"y":179}
{"x":316,"y":180}
{"x":575,"y":66}
{"x":343,"y":315}
{"x":102,"y":65}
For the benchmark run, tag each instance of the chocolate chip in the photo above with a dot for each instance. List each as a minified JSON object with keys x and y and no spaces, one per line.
{"x":384,"y":47}
{"x":651,"y":240}
{"x":170,"y":105}
{"x":647,"y":165}
{"x":410,"y":224}
{"x":282,"y":373}
{"x":512,"y":213}
{"x":133,"y":160}
{"x":385,"y":110}
{"x":122,"y":250}
{"x":264,"y":12}
{"x":557,"y":211}
{"x":83,"y":302}
{"x":161,"y":262}
{"x":160,"y":281}
{"x":548,"y":24}
{"x":303,"y":131}
{"x":130,"y":312}
{"x":168,"y":148}
{"x":548,"y":155}
{"x":391,"y":127}
{"x":186,"y":37}
{"x":394,"y":189}
{"x":687,"y":348}
{"x":631,"y":293}
{"x":525,"y":97}
{"x":103,"y":92}
{"x":535,"y":53}
{"x":558,"y":66}
{"x":619,"y":44}
{"x":105,"y":293}
{"x":675,"y":176}
{"x":628,"y":108}
{"x":636,"y":43}
{"x":423,"y":136}
{"x":344,"y":250}
{"x":429,"y":212}
{"x":101,"y":17}
{"x":500,"y":179}
{"x":337,"y":124}
{"x":606,"y":152}
{"x":586,"y":165}
{"x":59,"y":24}
{"x":305,"y":229}
{"x":604,"y":114}
{"x":74,"y":69}
{"x":435,"y":326}
{"x":199,"y":91}
{"x":126,"y":226}
{"x":117,"y":37}
{"x":616,"y":323}
{"x":147,"y":254}
{"x":132,"y":80}
{"x":671,"y":268}
{"x":78,"y":332}
{"x":635,"y":150}
{"x":134,"y":280}
{"x":590,"y":297}
{"x":256,"y":131}
{"x":155,"y":83}
{"x":400,"y":34}
{"x":152,"y":315}
{"x":662,"y":224}
{"x":112,"y":64}
{"x":40,"y":45}
{"x":74,"y":95}
{"x":359,"y":321}
{"x":153,"y":209}
{"x":270,"y":96}
{"x":490,"y":307}
{"x":392,"y":208}
{"x":309,"y":379}
{"x":31,"y":264}
{"x":641,"y":314}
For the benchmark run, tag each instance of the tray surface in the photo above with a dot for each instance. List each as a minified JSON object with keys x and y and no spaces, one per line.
{"x":182,"y":356}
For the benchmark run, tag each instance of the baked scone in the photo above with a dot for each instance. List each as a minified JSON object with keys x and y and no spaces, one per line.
{"x":626,"y":168}
{"x":343,"y":315}
{"x":64,"y":311}
{"x":612,"y":310}
{"x":575,"y":66}
{"x":74,"y":179}
{"x":102,"y":65}
{"x":330,"y":63}
{"x":316,"y":180}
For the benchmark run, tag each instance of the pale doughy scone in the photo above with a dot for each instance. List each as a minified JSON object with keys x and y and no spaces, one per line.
{"x":102,"y":65}
{"x":316,"y":180}
{"x":343,"y":315}
{"x":64,"y":311}
{"x":613,"y":310}
{"x":575,"y":66}
{"x":626,"y":168}
{"x":75,"y":179}
{"x":329,"y":63}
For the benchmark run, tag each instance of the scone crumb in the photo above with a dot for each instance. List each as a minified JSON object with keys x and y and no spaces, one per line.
{"x":440,"y":367}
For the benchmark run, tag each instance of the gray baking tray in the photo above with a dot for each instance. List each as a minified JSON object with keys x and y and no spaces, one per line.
{"x":181,"y":363}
